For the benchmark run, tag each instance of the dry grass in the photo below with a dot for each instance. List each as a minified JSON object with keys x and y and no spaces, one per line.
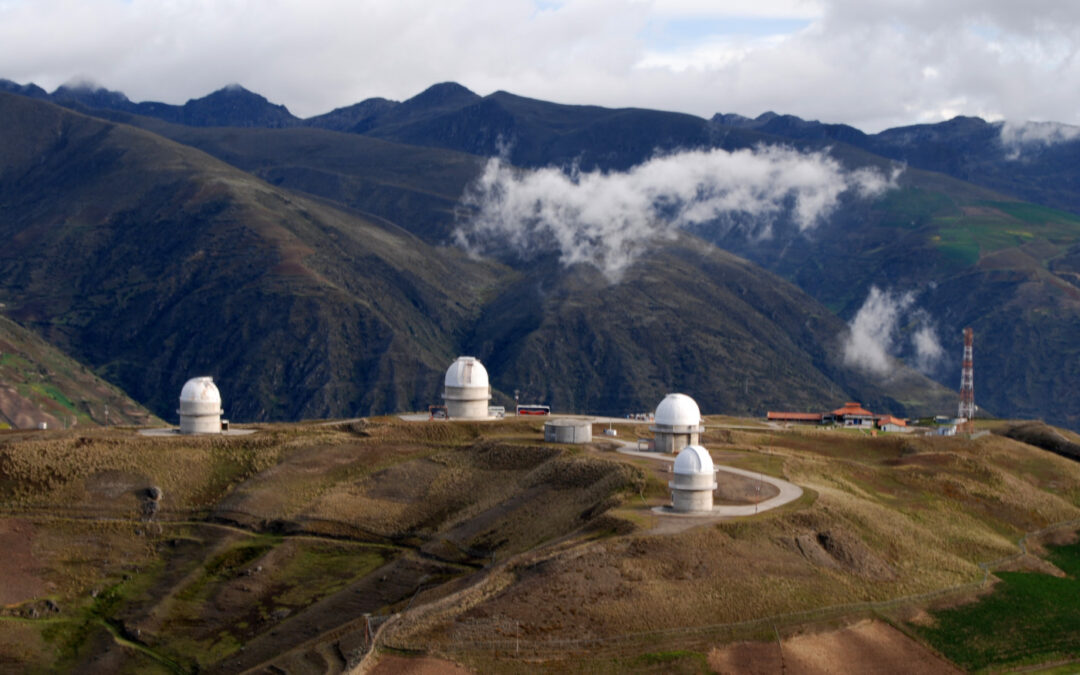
{"x":912,"y":515}
{"x":882,"y":518}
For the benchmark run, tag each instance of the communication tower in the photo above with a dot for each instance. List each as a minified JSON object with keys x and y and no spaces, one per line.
{"x":967,"y":383}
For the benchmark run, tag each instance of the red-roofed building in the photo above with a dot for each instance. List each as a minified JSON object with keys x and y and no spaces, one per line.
{"x":802,"y":418}
{"x":853,"y":415}
{"x":892,"y":424}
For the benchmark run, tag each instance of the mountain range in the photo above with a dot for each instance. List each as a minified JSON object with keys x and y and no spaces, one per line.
{"x":308,"y":263}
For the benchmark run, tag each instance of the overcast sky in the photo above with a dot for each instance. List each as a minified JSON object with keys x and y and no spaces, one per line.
{"x":870,"y":63}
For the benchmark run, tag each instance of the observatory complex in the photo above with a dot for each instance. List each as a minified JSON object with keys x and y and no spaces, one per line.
{"x":694,"y":481}
{"x":200,"y":407}
{"x":677,"y":423}
{"x":466,"y":389}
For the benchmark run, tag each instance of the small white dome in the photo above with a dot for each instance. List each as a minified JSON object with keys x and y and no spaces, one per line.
{"x":200,"y":390}
{"x":694,"y":460}
{"x":466,"y":371}
{"x":678,"y":410}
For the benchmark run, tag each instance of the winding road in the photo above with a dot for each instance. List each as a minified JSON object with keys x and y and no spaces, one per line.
{"x":788,"y":492}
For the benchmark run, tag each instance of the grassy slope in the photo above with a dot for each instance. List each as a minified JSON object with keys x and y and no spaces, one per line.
{"x":902,"y":516}
{"x":325,"y":506}
{"x":161,"y":262}
{"x":40,"y":384}
{"x":1031,"y":617}
{"x":884,"y":517}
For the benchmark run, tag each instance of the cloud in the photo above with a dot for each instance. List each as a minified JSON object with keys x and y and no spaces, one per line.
{"x":1018,"y":137}
{"x":875,"y":338}
{"x":870,"y":64}
{"x":608,"y":219}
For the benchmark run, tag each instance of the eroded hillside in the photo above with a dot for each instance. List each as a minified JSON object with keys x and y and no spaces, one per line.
{"x":479,"y":543}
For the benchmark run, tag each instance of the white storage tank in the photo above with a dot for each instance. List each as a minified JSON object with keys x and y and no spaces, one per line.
{"x":677,"y":423}
{"x":567,"y":431}
{"x":694,"y":482}
{"x":200,"y":407}
{"x":466,"y":390}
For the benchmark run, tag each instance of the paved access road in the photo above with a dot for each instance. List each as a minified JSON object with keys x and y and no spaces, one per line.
{"x":789,"y":492}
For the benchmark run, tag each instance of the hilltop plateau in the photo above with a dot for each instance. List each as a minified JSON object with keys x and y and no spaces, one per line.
{"x":480,"y":544}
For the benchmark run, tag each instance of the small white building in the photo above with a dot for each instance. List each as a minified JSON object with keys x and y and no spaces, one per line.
{"x":563,"y":430}
{"x":677,"y":423}
{"x":200,"y":407}
{"x":694,"y":482}
{"x":466,"y":389}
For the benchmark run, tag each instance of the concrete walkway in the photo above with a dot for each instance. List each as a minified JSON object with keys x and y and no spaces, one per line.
{"x":788,"y":492}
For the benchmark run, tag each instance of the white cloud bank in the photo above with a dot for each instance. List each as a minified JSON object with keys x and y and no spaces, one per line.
{"x":608,"y":219}
{"x":870,"y":63}
{"x":876,"y":336}
{"x":1018,"y":137}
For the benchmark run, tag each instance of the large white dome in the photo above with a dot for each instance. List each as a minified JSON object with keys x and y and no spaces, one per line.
{"x":678,"y":410}
{"x":200,"y":390}
{"x":694,"y":460}
{"x":466,"y":371}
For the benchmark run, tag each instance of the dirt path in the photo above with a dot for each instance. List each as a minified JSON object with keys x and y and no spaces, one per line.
{"x":389,"y":664}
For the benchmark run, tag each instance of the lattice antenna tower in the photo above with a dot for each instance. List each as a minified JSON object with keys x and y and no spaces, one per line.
{"x":967,"y":380}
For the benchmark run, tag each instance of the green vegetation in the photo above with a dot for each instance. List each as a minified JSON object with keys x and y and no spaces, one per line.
{"x":992,"y":226}
{"x":912,"y":207}
{"x":319,"y":569}
{"x":1029,"y":618}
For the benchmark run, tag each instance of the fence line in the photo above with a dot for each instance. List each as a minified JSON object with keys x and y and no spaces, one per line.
{"x":693,"y":634}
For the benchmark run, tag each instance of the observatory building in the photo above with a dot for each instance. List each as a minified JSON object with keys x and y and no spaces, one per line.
{"x":200,"y":407}
{"x":677,"y":423}
{"x":695,"y":480}
{"x":568,"y":431}
{"x":467,"y":392}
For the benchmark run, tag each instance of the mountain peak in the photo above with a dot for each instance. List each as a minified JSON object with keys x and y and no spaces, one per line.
{"x":235,"y":106}
{"x":442,"y":94}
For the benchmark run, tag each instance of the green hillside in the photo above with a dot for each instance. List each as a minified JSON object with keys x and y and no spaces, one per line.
{"x":40,"y":385}
{"x":153,"y":262}
{"x":186,"y":266}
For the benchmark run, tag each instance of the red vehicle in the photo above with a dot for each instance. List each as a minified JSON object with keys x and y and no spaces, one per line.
{"x":534,"y":409}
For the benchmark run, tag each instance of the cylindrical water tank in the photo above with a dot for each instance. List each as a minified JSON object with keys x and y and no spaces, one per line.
{"x":567,"y":431}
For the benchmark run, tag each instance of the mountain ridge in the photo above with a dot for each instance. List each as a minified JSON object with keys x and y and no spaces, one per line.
{"x":312,"y":311}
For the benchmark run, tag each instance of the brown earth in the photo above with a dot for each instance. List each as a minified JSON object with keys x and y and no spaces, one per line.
{"x":18,"y":566}
{"x":869,"y":646}
{"x":389,"y":664}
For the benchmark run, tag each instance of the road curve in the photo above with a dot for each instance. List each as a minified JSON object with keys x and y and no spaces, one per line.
{"x":788,"y":492}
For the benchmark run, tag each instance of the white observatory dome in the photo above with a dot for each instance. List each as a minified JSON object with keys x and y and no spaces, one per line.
{"x":694,"y":481}
{"x":467,"y":392}
{"x":466,"y":371}
{"x":678,"y":410}
{"x":200,"y":407}
{"x":694,"y":460}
